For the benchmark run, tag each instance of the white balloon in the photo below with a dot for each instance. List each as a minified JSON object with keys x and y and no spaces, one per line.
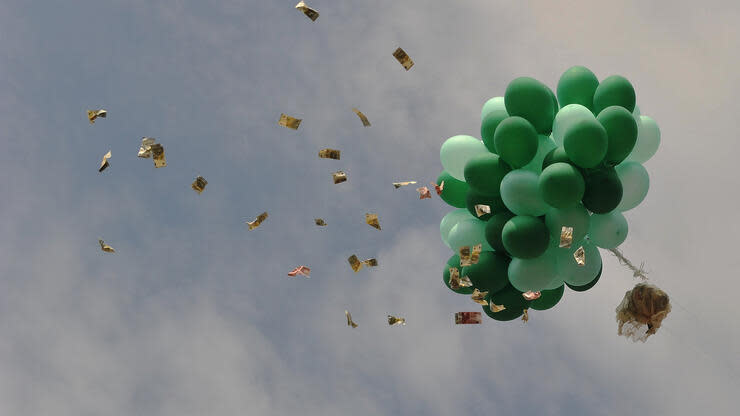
{"x":457,"y":151}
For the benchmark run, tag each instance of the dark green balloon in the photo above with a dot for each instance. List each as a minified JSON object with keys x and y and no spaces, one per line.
{"x":488,"y":129}
{"x":454,"y":191}
{"x":615,"y":90}
{"x":588,"y":285}
{"x":561,"y":185}
{"x":494,"y":227}
{"x":621,"y":130}
{"x":474,"y":198}
{"x":483,"y":173}
{"x":516,"y":141}
{"x":603,"y":190}
{"x":577,"y":85}
{"x":530,"y":99}
{"x":525,"y":237}
{"x":509,"y":297}
{"x":554,"y":156}
{"x":490,"y":273}
{"x":454,"y":261}
{"x":547,"y":299}
{"x":586,"y":143}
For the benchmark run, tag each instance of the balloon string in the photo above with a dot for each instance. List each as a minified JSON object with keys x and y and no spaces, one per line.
{"x":729,"y":368}
{"x":623,"y":260}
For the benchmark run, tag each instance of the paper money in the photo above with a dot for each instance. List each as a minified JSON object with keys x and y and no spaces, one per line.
{"x":372,"y":220}
{"x":93,"y":114}
{"x":529,"y":295}
{"x":370,"y":262}
{"x":302,"y":270}
{"x":339,"y":177}
{"x":400,"y":184}
{"x":329,"y":154}
{"x":465,"y":282}
{"x":566,"y":237}
{"x":580,"y":256}
{"x":424,"y":193}
{"x":319,"y":222}
{"x":454,"y":278}
{"x":257,"y":221}
{"x":349,"y":319}
{"x":289,"y":122}
{"x":311,"y":13}
{"x":199,"y":184}
{"x":356,"y":264}
{"x":104,"y":164}
{"x":481,"y":210}
{"x":468,"y":318}
{"x":439,"y":188}
{"x":403,"y":58}
{"x":476,"y":253}
{"x":106,"y":247}
{"x":464,"y":253}
{"x":151,"y":149}
{"x":392,"y":320}
{"x":362,"y":117}
{"x":525,"y":316}
{"x":495,"y":308}
{"x":479,"y":297}
{"x":145,"y":150}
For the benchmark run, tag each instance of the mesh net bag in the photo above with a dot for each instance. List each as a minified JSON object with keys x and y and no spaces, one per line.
{"x":642,"y":311}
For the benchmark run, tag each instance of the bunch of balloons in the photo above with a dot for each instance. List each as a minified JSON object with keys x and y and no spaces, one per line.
{"x":545,"y":163}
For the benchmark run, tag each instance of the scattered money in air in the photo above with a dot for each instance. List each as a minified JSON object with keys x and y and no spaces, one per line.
{"x":481,"y":210}
{"x":496,"y":308}
{"x":311,"y":13}
{"x":439,"y":188}
{"x":400,"y":184}
{"x":454,"y":278}
{"x":362,"y":117}
{"x":468,"y":318}
{"x":350,"y":322}
{"x":302,"y":270}
{"x":476,"y":253}
{"x":372,"y":220}
{"x":479,"y":297}
{"x":403,"y":58}
{"x":339,"y":177}
{"x":392,"y":320}
{"x":93,"y":114}
{"x":580,"y":256}
{"x":320,"y":222}
{"x":641,"y":312}
{"x":566,"y":237}
{"x":154,"y":150}
{"x":289,"y":122}
{"x":329,"y":154}
{"x":106,"y":247}
{"x":356,"y":264}
{"x":257,"y":221}
{"x":464,"y":253}
{"x":525,"y":316}
{"x":529,"y":295}
{"x":199,"y":184}
{"x":104,"y":164}
{"x":424,"y":193}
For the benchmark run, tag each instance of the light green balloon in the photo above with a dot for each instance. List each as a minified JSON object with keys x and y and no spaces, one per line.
{"x":608,"y":230}
{"x":545,"y":144}
{"x":573,"y":273}
{"x":568,"y":115}
{"x":576,"y":217}
{"x":648,"y":141}
{"x":635,"y":184}
{"x":457,"y":151}
{"x":494,"y":105}
{"x":450,"y":220}
{"x":533,"y":274}
{"x":635,"y":113}
{"x":520,"y":193}
{"x":468,"y":233}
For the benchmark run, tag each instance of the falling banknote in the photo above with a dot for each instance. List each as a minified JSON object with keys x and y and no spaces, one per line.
{"x":311,"y":13}
{"x":400,"y":184}
{"x":566,"y":237}
{"x":481,"y":210}
{"x":479,"y":297}
{"x":339,"y":177}
{"x":467,"y":258}
{"x":392,"y":320}
{"x":302,"y":270}
{"x":403,"y":58}
{"x":529,"y":295}
{"x":106,"y":247}
{"x":329,"y":154}
{"x":199,"y":184}
{"x":372,"y":220}
{"x":93,"y":114}
{"x":580,"y":256}
{"x":439,"y":188}
{"x":257,"y":221}
{"x":362,"y":117}
{"x":154,"y":150}
{"x":289,"y":122}
{"x":424,"y":193}
{"x":350,"y":322}
{"x":525,"y":316}
{"x":356,"y":264}
{"x":495,"y":308}
{"x":468,"y":318}
{"x":320,"y":222}
{"x":104,"y":164}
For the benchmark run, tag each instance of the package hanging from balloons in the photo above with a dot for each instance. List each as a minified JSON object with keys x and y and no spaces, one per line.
{"x":104,"y":164}
{"x":362,"y":117}
{"x":94,"y":114}
{"x":642,"y":311}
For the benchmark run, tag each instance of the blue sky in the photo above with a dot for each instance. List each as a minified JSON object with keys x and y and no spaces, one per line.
{"x":195,"y":314}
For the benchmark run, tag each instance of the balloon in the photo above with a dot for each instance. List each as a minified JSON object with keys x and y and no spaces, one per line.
{"x":450,"y":220}
{"x":561,"y":185}
{"x":454,"y":261}
{"x":456,"y":151}
{"x":588,"y":285}
{"x":608,"y":230}
{"x":636,"y":113}
{"x":494,"y":111}
{"x":557,"y":155}
{"x":520,"y":193}
{"x":648,"y":140}
{"x":544,"y":146}
{"x":511,"y":299}
{"x":577,"y":86}
{"x":530,"y":99}
{"x":525,"y":237}
{"x":621,"y":130}
{"x":494,"y":228}
{"x":548,"y":298}
{"x":566,"y":117}
{"x":516,"y":141}
{"x":494,"y":202}
{"x":576,"y":217}
{"x":453,"y":191}
{"x":484,"y":172}
{"x":468,"y":233}
{"x":532,"y":274}
{"x":614,"y":90}
{"x":603,"y":190}
{"x":586,"y":143}
{"x":490,"y":273}
{"x":635,"y":184}
{"x":574,"y":273}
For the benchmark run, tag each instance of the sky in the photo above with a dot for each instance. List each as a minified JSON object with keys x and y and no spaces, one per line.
{"x":194,"y":314}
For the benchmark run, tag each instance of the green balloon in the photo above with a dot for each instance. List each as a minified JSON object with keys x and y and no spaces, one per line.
{"x":454,"y":261}
{"x":468,"y":233}
{"x":586,"y":143}
{"x":554,"y":156}
{"x":608,"y":230}
{"x":577,"y":86}
{"x":576,"y":217}
{"x":456,"y":151}
{"x":530,"y":99}
{"x":561,"y":185}
{"x":548,"y":299}
{"x":490,"y":273}
{"x":492,"y":105}
{"x":635,"y":184}
{"x":648,"y":140}
{"x":533,"y":274}
{"x":589,"y":285}
{"x":493,"y":113}
{"x":450,"y":220}
{"x":621,"y":130}
{"x":483,"y":173}
{"x":603,"y":190}
{"x":614,"y":90}
{"x":525,"y":237}
{"x":567,"y":116}
{"x":521,"y":195}
{"x":494,"y":202}
{"x":545,"y":145}
{"x":454,"y":191}
{"x":575,"y":274}
{"x":511,"y":299}
{"x":516,"y":141}
{"x":494,"y":228}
